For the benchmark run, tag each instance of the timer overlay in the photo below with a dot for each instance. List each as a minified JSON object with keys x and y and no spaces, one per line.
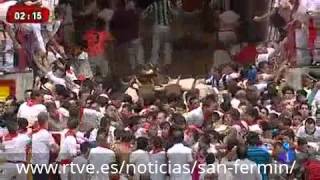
{"x":27,"y":14}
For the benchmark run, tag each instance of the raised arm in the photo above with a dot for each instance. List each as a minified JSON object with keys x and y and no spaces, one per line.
{"x":33,"y":3}
{"x":263,"y":17}
{"x":145,"y":13}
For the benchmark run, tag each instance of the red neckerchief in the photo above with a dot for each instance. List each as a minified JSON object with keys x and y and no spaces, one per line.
{"x":10,"y":136}
{"x":192,"y":129}
{"x":23,"y":131}
{"x":71,"y":132}
{"x":127,"y":145}
{"x":26,"y":131}
{"x":156,"y":150}
{"x":37,"y":129}
{"x":31,"y":102}
{"x":191,"y":108}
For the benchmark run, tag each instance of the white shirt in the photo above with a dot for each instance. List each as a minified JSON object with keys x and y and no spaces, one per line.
{"x":226,"y":175}
{"x":301,"y":133}
{"x":30,"y":112}
{"x":50,"y":30}
{"x":56,"y":80}
{"x":39,"y":44}
{"x":23,"y":140}
{"x":239,"y":172}
{"x":158,"y":158}
{"x":41,"y":144}
{"x":93,"y":135}
{"x":110,"y":139}
{"x":98,"y":157}
{"x":264,"y":57}
{"x":235,"y":103}
{"x":141,"y":132}
{"x":313,"y":5}
{"x":180,"y":155}
{"x":3,"y":131}
{"x":81,"y":161}
{"x":83,"y":56}
{"x":69,"y":148}
{"x":194,"y":117}
{"x":261,"y":86}
{"x":139,"y":157}
{"x":255,"y":128}
{"x":91,"y":119}
{"x":212,"y":148}
{"x":15,"y":148}
{"x":51,"y":4}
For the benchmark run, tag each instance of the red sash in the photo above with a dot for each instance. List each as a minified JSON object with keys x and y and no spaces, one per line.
{"x":65,"y":161}
{"x":73,"y":133}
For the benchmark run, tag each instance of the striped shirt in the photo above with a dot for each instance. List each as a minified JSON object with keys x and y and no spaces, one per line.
{"x":259,"y":156}
{"x":161,"y":11}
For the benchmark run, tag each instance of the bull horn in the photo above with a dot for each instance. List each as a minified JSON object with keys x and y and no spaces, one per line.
{"x":178,"y":80}
{"x":124,"y":83}
{"x":184,"y":96}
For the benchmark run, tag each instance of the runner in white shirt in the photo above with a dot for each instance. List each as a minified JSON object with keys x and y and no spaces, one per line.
{"x":90,"y":119}
{"x":42,"y":144}
{"x":179,"y":155}
{"x":30,"y":109}
{"x":198,"y":116}
{"x":105,"y":123}
{"x":81,"y":161}
{"x":235,"y":167}
{"x":100,"y":156}
{"x":158,"y":156}
{"x":14,"y":152}
{"x":69,"y":148}
{"x":140,"y":157}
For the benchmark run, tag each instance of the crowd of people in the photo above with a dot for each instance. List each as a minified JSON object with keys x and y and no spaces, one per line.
{"x":76,"y":114}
